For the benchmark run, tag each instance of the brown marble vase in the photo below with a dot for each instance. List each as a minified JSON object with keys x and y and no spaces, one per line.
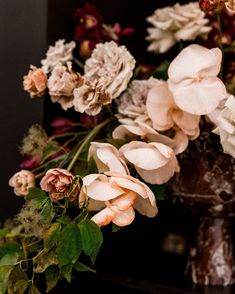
{"x":209,"y":191}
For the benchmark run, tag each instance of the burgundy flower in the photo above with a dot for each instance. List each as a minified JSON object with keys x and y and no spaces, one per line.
{"x":211,"y":6}
{"x":59,"y":183}
{"x":61,"y":125}
{"x":30,"y":162}
{"x":89,"y":121}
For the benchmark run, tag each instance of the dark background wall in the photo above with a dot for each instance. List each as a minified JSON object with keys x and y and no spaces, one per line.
{"x":23,"y":42}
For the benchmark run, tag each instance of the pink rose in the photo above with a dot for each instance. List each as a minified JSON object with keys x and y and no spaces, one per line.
{"x":35,"y":82}
{"x":60,"y":184}
{"x":22,"y":181}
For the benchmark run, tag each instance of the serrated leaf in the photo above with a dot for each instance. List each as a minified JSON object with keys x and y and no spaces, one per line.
{"x":43,"y":261}
{"x":66,"y":272}
{"x":37,"y":197}
{"x":92,"y":238}
{"x":52,"y":275}
{"x":47,"y":214}
{"x":50,"y":237}
{"x":80,"y":267}
{"x":69,"y":246}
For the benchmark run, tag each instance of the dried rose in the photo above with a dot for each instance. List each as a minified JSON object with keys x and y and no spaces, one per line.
{"x":35,"y":82}
{"x":61,"y":53}
{"x":111,"y":66}
{"x":60,"y":184}
{"x":22,"y":181}
{"x":211,"y":6}
{"x":61,"y":84}
{"x":90,"y":98}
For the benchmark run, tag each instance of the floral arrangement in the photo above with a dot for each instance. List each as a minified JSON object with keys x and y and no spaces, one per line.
{"x":129,"y":140}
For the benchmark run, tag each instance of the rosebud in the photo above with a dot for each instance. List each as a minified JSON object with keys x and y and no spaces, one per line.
{"x":90,"y":122}
{"x":211,"y":6}
{"x":85,"y":49}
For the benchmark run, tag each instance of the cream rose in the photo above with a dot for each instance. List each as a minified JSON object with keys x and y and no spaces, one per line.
{"x":226,"y":126}
{"x":61,"y":84}
{"x":111,"y":66}
{"x":22,"y":181}
{"x":61,"y":53}
{"x":172,"y":24}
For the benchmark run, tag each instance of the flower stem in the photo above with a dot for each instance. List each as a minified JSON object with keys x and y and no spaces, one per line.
{"x":87,"y":139}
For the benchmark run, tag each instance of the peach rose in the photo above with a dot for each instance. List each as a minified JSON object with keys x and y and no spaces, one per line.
{"x":156,"y":163}
{"x":22,"y":181}
{"x":35,"y":82}
{"x":165,"y":114}
{"x":193,"y":79}
{"x":107,"y":158}
{"x":60,"y":184}
{"x":122,"y":194}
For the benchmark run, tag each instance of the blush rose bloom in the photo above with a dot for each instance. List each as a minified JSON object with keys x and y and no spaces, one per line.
{"x":156,"y":163}
{"x":107,"y":158}
{"x":193,"y":79}
{"x":165,"y":114}
{"x":122,"y":194}
{"x":22,"y":181}
{"x":35,"y":82}
{"x":60,"y":184}
{"x":139,"y":130}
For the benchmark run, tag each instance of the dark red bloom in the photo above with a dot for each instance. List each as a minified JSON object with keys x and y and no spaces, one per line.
{"x":61,"y":125}
{"x":211,"y":6}
{"x":30,"y":162}
{"x":90,"y":122}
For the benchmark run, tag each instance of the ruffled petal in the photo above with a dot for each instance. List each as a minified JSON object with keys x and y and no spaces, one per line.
{"x":159,"y":104}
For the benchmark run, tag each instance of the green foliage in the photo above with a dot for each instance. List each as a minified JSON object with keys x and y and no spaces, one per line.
{"x":69,"y":245}
{"x":47,"y":214}
{"x":159,"y":191}
{"x":37,"y":197}
{"x":80,"y":267}
{"x":52,"y":275}
{"x":92,"y":238}
{"x":66,"y":272}
{"x":51,"y":236}
{"x":44,"y":260}
{"x":18,"y":281}
{"x":162,"y":70}
{"x":50,"y":149}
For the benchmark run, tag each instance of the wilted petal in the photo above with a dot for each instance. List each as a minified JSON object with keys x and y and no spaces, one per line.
{"x":124,"y":218}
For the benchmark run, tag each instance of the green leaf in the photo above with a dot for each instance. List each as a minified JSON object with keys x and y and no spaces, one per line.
{"x":52,"y":275}
{"x":92,"y":238}
{"x":43,"y":261}
{"x":9,"y":259}
{"x":5,"y":272}
{"x":162,"y":70}
{"x":18,"y":281}
{"x":80,"y":267}
{"x":66,"y":272}
{"x":159,"y":191}
{"x":47,"y":214}
{"x":69,"y":246}
{"x":3,"y":233}
{"x":20,"y":287}
{"x":9,"y":248}
{"x":50,"y":237}
{"x":65,"y":219}
{"x":37,"y":197}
